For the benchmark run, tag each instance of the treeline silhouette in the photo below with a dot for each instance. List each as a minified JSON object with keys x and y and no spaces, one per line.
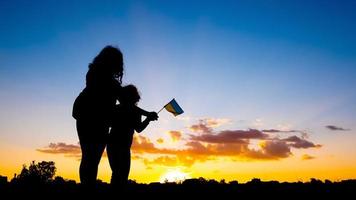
{"x":39,"y":179}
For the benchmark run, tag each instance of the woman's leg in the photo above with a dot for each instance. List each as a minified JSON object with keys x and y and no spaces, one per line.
{"x":112,"y":151}
{"x":92,"y":139}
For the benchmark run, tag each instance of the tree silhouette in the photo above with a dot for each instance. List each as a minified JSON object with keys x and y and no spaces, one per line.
{"x":42,"y":172}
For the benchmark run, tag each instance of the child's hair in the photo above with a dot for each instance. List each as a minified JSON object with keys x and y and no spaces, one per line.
{"x":129,"y":94}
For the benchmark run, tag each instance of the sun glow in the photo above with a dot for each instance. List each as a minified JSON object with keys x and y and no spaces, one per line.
{"x":174,"y":175}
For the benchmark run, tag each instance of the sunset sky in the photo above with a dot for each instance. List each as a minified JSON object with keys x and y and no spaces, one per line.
{"x":267,"y":87}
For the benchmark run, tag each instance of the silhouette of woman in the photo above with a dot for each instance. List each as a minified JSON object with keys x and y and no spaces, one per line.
{"x":93,"y":107}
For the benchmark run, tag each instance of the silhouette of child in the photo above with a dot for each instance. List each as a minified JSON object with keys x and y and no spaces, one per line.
{"x":126,"y":120}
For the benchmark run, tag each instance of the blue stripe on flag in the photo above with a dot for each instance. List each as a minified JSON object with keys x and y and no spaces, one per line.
{"x":176,"y":107}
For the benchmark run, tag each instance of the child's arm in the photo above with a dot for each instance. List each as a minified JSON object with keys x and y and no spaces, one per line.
{"x":151,"y":115}
{"x":140,"y":126}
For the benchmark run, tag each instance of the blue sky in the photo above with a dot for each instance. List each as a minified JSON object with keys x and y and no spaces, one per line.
{"x":284,"y":62}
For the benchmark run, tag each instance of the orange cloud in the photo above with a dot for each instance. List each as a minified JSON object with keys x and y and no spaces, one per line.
{"x":231,"y":136}
{"x":307,"y":157}
{"x":142,"y":144}
{"x":162,"y":160}
{"x":205,"y":144}
{"x":160,"y":141}
{"x":276,"y":149}
{"x":70,"y":150}
{"x":202,"y":127}
{"x":196,"y":151}
{"x":175,"y":135}
{"x":179,"y":160}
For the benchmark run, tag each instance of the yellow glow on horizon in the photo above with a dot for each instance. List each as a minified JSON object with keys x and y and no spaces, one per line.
{"x":333,"y":161}
{"x":293,"y":169}
{"x":174,"y":175}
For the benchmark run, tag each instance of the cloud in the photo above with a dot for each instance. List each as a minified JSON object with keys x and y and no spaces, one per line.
{"x":160,"y":141}
{"x":70,"y":150}
{"x":258,"y":122}
{"x":279,"y":131}
{"x":175,"y":135}
{"x":169,"y":157}
{"x":170,"y":161}
{"x":183,"y":118}
{"x":205,"y":144}
{"x":197,"y":151}
{"x":136,"y":157}
{"x":230,"y":136}
{"x":216,"y":122}
{"x":276,"y":149}
{"x":162,"y":160}
{"x":205,"y":126}
{"x":307,"y":157}
{"x":142,"y":144}
{"x":202,"y":149}
{"x":336,"y":128}
{"x":201,"y":127}
{"x":303,"y":134}
{"x":300,"y":143}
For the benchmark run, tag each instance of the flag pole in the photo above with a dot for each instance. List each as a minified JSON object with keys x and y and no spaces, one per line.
{"x":161,"y":109}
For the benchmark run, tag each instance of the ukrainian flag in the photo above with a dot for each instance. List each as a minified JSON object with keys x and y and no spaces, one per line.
{"x":173,"y":108}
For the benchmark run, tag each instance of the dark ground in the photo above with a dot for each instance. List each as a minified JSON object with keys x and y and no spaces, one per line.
{"x":191,"y":188}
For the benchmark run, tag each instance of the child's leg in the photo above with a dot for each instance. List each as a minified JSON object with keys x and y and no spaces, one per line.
{"x":124,"y":166}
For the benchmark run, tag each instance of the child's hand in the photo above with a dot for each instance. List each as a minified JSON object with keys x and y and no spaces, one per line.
{"x":152,"y":116}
